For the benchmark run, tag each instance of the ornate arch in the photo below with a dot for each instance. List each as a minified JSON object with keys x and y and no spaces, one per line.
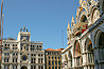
{"x":24,"y":67}
{"x":79,"y":11}
{"x":78,"y":59}
{"x":99,"y":44}
{"x":102,"y":6}
{"x":95,"y":14}
{"x":97,"y":37}
{"x":83,"y":17}
{"x":88,"y":43}
{"x":77,"y":49}
{"x":89,"y":53}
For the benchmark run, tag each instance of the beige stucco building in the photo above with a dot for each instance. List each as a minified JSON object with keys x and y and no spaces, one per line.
{"x":53,"y":59}
{"x":85,"y":37}
{"x":22,"y":53}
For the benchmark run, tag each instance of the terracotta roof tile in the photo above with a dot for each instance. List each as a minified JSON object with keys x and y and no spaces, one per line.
{"x":50,"y":49}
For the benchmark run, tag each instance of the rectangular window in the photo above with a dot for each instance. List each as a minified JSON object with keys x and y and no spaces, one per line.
{"x":6,"y":59}
{"x":49,"y":62}
{"x":31,"y":54}
{"x":34,"y":60}
{"x":31,"y":60}
{"x":52,"y":67}
{"x":39,"y":60}
{"x":31,"y":67}
{"x":34,"y":54}
{"x":52,"y":62}
{"x":41,"y":67}
{"x":6,"y":66}
{"x":49,"y":67}
{"x":34,"y":67}
{"x":39,"y":55}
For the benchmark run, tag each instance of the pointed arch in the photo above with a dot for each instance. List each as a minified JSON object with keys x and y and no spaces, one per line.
{"x":83,"y":17}
{"x":99,"y":43}
{"x":70,"y":59}
{"x":88,"y":44}
{"x":95,"y":14}
{"x":89,"y":53}
{"x":103,"y":6}
{"x":97,"y":37}
{"x":77,"y":50}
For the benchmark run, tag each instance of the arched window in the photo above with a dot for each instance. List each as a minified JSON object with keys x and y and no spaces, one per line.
{"x":103,"y":6}
{"x":89,"y":52}
{"x":101,"y":39}
{"x":77,"y":54}
{"x":101,"y":46}
{"x":84,"y":19}
{"x":70,"y":58}
{"x":77,"y":50}
{"x":70,"y":55}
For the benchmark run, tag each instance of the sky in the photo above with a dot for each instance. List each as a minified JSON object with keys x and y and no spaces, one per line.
{"x":47,"y":20}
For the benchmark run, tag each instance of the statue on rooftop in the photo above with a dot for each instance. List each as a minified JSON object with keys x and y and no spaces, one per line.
{"x":24,"y":29}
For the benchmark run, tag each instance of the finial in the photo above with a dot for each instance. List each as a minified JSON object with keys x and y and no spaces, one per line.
{"x":68,"y":25}
{"x":72,"y":22}
{"x":68,"y":28}
{"x":24,"y":29}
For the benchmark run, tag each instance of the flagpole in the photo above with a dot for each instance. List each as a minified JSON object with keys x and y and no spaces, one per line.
{"x":1,"y":29}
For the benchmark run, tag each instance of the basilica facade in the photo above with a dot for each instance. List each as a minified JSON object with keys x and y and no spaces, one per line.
{"x":85,"y":37}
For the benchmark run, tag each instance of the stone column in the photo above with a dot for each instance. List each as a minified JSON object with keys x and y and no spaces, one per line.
{"x":73,"y":61}
{"x":43,"y":66}
{"x":10,"y":60}
{"x":86,"y":58}
{"x":18,"y":66}
{"x":11,"y":66}
{"x":2,"y":66}
{"x":36,"y":66}
{"x":29,"y":67}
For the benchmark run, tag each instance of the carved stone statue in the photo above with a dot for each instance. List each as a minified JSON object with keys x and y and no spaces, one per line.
{"x":24,"y":29}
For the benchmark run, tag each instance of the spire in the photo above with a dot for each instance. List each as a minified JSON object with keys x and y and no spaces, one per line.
{"x":68,"y":33}
{"x":68,"y":28}
{"x":72,"y":22}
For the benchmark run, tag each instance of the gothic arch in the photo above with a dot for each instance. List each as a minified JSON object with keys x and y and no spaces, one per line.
{"x":77,"y":55}
{"x":79,"y":11}
{"x":97,"y":37}
{"x":77,"y":49}
{"x":99,"y":43}
{"x":95,"y":14}
{"x":24,"y":67}
{"x":102,"y":6}
{"x":83,"y":17}
{"x":88,"y":42}
{"x":89,"y":53}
